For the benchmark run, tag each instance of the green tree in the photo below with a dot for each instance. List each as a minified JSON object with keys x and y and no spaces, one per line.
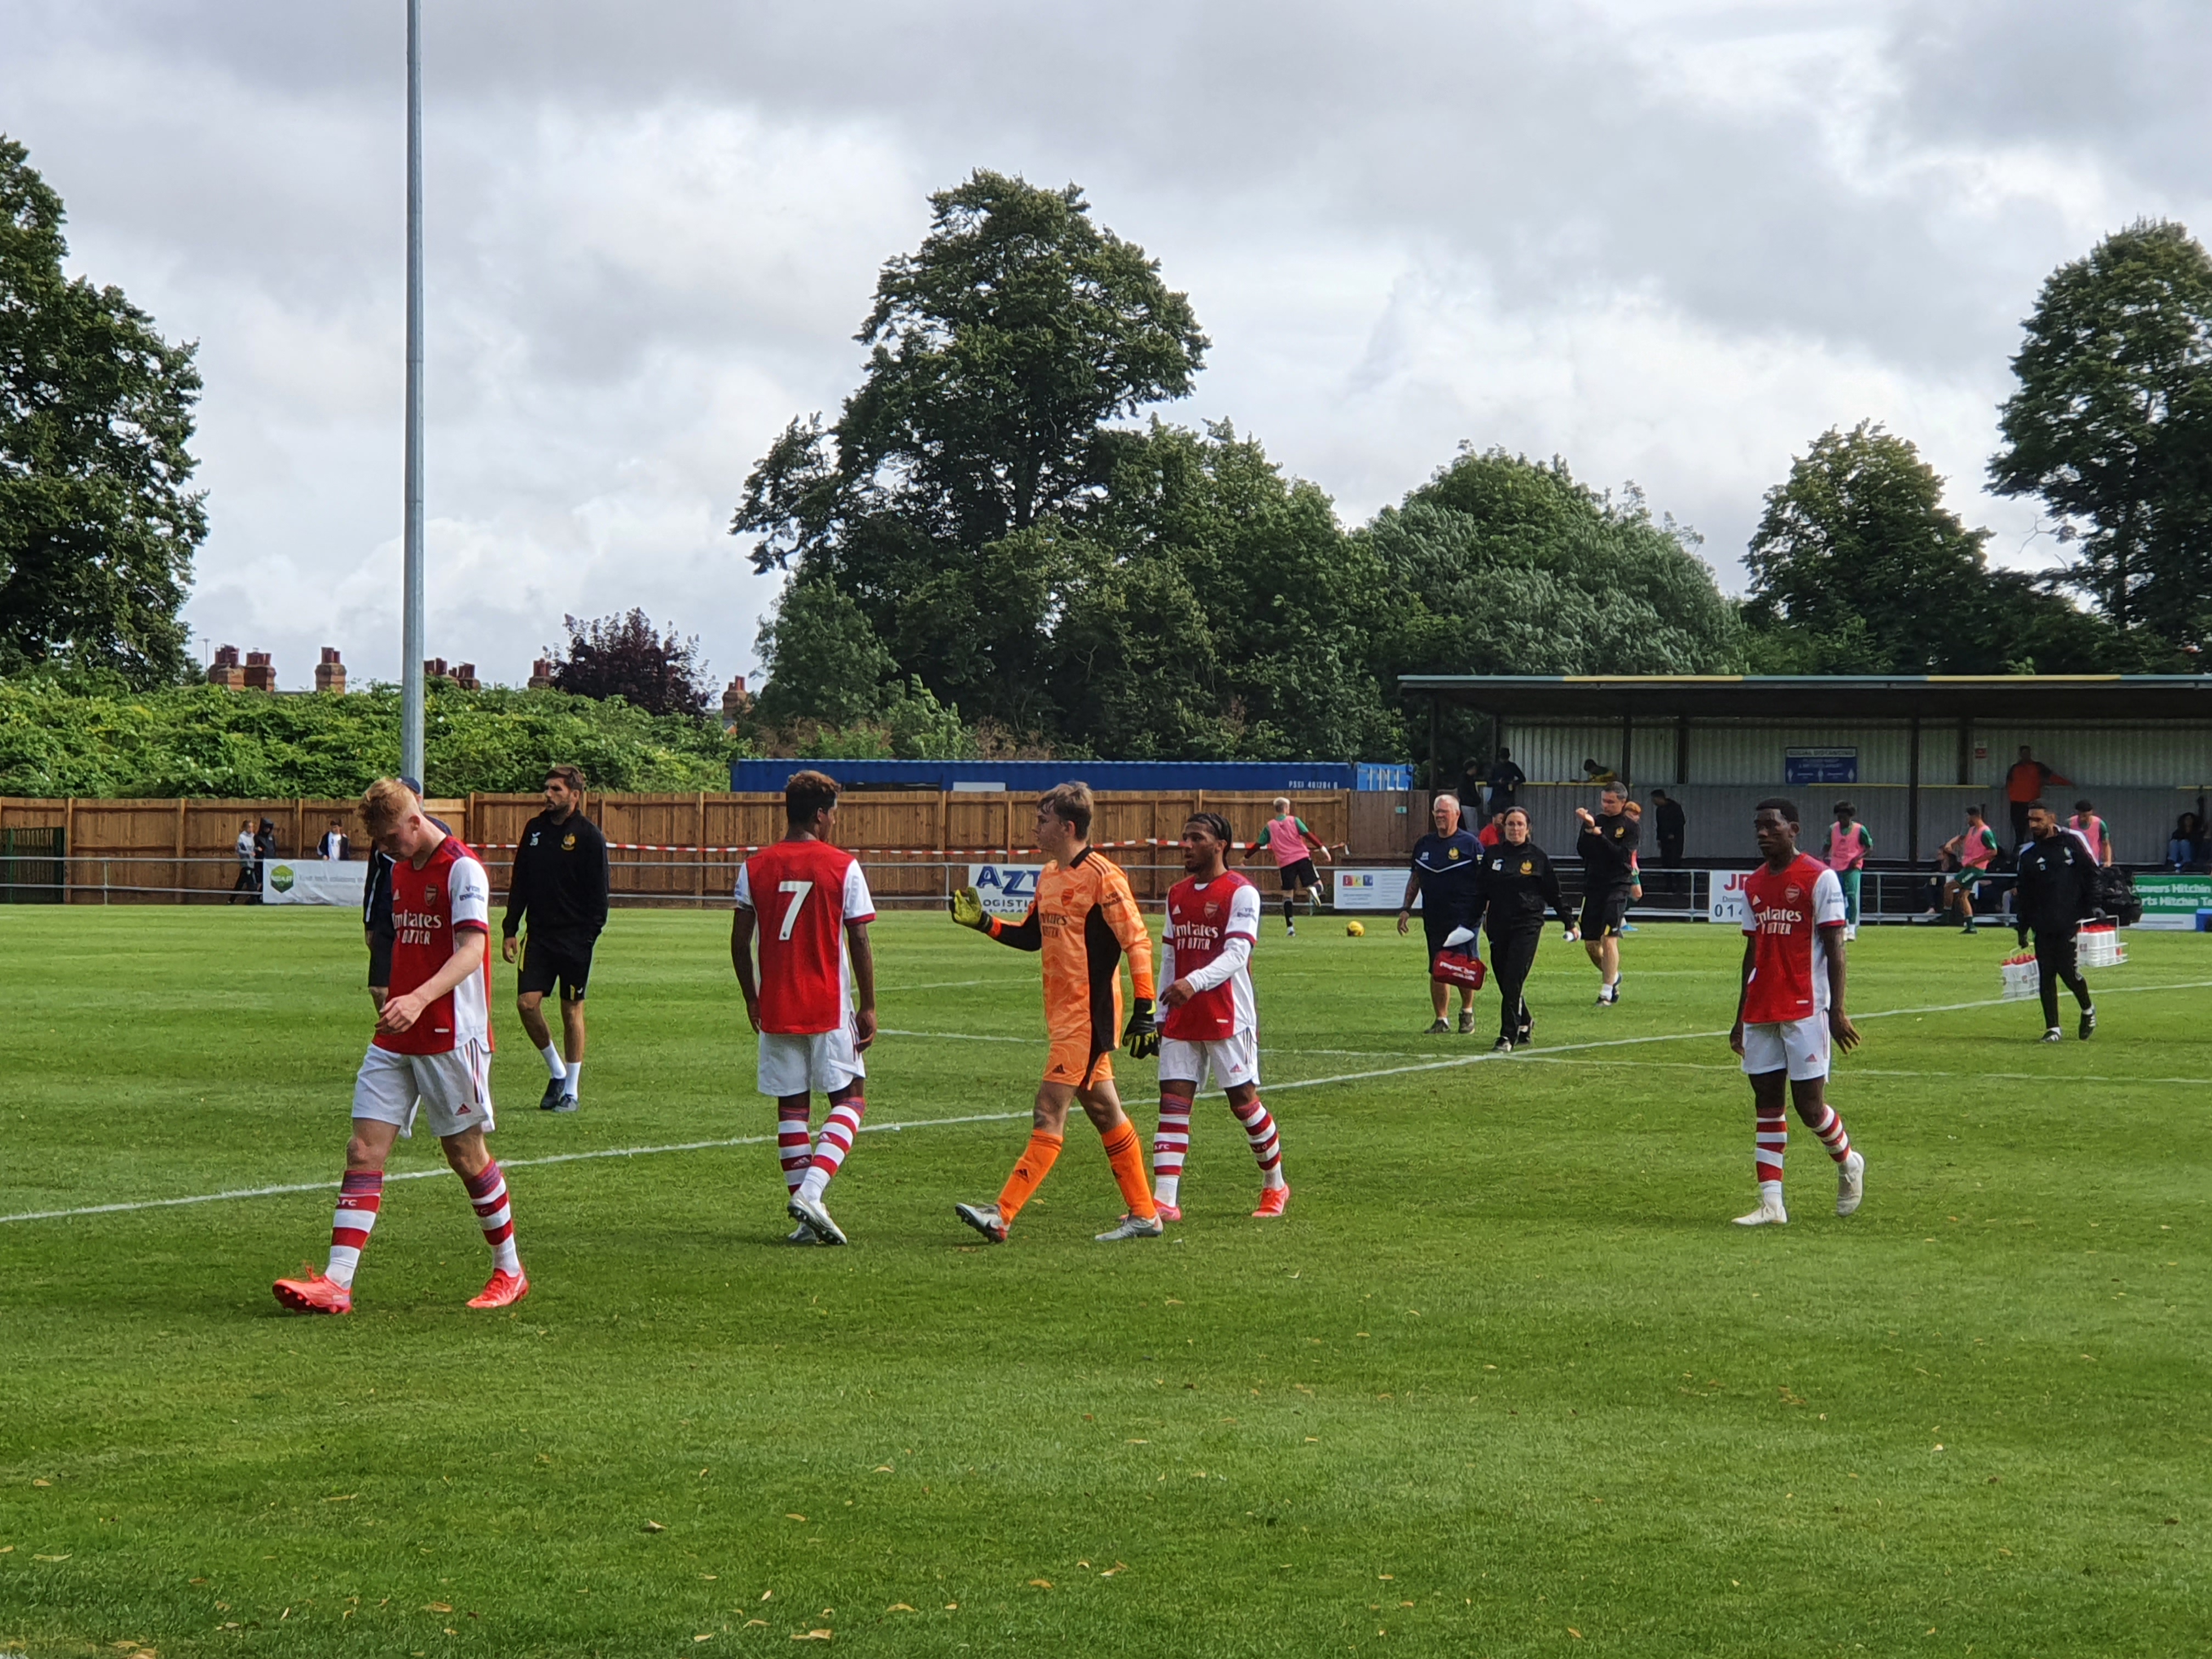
{"x":2112,"y":426}
{"x":97,"y":526}
{"x":998,"y":350}
{"x":824,"y":661}
{"x":1858,"y":568}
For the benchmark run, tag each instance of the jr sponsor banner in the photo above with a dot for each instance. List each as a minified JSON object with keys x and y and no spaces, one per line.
{"x":1371,"y":890}
{"x":1801,"y":766}
{"x":2172,"y":900}
{"x":314,"y":881}
{"x":1726,"y":904}
{"x":1008,"y":889}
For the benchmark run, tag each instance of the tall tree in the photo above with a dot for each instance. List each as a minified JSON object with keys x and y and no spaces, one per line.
{"x":1858,"y":568}
{"x":2112,"y":426}
{"x":97,"y":525}
{"x":629,"y":657}
{"x":1000,"y":349}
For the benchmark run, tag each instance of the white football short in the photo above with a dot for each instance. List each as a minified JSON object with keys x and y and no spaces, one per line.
{"x":1231,"y":1062}
{"x":794,"y":1063}
{"x":453,"y":1089}
{"x":1798,"y":1046}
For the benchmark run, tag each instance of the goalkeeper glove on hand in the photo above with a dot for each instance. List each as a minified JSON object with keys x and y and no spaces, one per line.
{"x":1142,"y":1038}
{"x":967,"y":907}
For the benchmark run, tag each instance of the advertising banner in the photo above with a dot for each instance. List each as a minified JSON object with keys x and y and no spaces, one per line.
{"x":2172,"y":900}
{"x":314,"y":881}
{"x":1801,"y":766}
{"x":1371,"y":890}
{"x":1008,"y":889}
{"x":1726,"y":904}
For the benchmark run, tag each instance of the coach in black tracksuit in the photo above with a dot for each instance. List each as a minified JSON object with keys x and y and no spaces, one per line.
{"x":2056,"y":890}
{"x":559,"y":884}
{"x":1517,"y":887}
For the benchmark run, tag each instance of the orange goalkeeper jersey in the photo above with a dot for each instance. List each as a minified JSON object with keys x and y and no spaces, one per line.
{"x":1084,"y":919}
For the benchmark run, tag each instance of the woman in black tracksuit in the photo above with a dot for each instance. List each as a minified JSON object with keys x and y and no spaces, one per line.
{"x":1516,"y":886}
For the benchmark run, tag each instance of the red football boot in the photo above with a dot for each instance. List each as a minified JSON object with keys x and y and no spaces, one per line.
{"x":502,"y":1289}
{"x":312,"y":1293}
{"x":1274,"y":1201}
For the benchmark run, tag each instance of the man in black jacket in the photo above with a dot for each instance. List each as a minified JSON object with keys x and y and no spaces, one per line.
{"x":1607,"y":847}
{"x":1673,"y":826}
{"x":560,"y":884}
{"x":2057,"y":889}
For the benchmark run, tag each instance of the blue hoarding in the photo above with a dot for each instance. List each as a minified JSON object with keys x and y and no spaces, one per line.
{"x":770,"y":776}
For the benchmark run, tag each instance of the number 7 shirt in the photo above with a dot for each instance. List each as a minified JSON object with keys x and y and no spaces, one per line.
{"x":804,"y":892}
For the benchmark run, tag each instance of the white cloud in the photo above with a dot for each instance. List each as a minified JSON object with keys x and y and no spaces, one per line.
{"x":1668,"y":240}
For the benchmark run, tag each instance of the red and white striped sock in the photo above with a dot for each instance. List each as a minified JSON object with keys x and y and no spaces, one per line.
{"x":1169,"y":1146}
{"x":360,"y":1194}
{"x":1267,"y":1143}
{"x":488,"y":1192}
{"x":793,"y":1143}
{"x":1830,"y":1128}
{"x":1773,"y":1136}
{"x":830,"y":1147}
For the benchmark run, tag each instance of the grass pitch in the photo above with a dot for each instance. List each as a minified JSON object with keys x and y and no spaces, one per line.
{"x":1505,"y":1381}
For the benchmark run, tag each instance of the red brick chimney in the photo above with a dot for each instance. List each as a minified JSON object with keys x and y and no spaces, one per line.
{"x":260,"y":673}
{"x":224,"y":670}
{"x":330,"y":673}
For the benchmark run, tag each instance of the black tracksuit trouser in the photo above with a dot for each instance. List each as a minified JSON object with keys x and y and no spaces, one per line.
{"x":2054,"y":961}
{"x":1511,"y":956}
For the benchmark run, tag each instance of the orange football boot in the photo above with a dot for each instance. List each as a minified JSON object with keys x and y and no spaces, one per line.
{"x":312,"y":1293}
{"x":502,"y":1289}
{"x":1274,"y":1201}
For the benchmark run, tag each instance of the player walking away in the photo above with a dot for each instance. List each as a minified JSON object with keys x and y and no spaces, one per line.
{"x":2096,"y":834}
{"x":2058,"y":891}
{"x":1975,"y":848}
{"x":247,"y":882}
{"x":1212,"y":1023}
{"x":1848,"y":843}
{"x":336,"y":846}
{"x":2026,"y":779}
{"x":1517,"y":887}
{"x":1505,"y":781}
{"x":1293,"y":842}
{"x":1672,"y":826}
{"x":1443,"y":876}
{"x":377,"y":928}
{"x":808,"y":904}
{"x":432,"y":1053}
{"x":1082,"y":921}
{"x":1790,"y":1008}
{"x":559,"y":887}
{"x":1607,"y":847}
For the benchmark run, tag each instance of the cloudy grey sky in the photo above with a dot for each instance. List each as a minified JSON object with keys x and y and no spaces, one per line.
{"x":1670,"y":241}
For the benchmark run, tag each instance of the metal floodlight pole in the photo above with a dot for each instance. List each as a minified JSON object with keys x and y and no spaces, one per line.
{"x":410,"y":631}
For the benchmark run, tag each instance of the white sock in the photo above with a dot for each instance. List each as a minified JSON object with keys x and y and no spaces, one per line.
{"x":1770,"y":1192}
{"x":575,"y":1077}
{"x":813,"y":1184}
{"x":553,"y":1066}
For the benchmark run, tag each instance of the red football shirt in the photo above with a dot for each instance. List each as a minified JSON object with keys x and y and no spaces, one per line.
{"x":431,"y":907}
{"x":1784,"y":912}
{"x":804,"y":893}
{"x":1202,"y":918}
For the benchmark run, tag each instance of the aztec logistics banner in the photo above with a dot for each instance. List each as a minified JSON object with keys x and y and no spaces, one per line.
{"x":1008,"y":889}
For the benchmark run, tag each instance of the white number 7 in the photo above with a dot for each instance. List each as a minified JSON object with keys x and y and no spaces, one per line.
{"x":791,"y":916}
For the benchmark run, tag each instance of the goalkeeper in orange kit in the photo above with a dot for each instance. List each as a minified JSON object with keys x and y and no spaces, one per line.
{"x":1084,"y":919}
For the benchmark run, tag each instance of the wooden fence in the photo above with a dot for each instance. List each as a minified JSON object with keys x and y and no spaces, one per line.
{"x":679,"y":848}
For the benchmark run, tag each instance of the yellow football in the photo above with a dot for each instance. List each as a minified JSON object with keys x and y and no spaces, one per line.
{"x":1355,"y":930}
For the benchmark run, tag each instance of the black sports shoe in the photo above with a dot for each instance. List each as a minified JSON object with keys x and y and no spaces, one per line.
{"x":2054,"y":1035}
{"x":568,"y":1103}
{"x":550,"y":1100}
{"x":2088,"y":1024}
{"x":1502,"y":1046}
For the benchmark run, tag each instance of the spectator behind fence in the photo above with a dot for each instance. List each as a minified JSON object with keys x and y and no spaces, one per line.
{"x":334,"y":848}
{"x":2024,"y":783}
{"x":1505,"y":781}
{"x":2184,"y":850}
{"x":1672,"y":826}
{"x":247,"y":882}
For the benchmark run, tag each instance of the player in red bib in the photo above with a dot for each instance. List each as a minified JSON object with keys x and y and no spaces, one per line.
{"x":1790,"y":1008}
{"x":432,"y":1051}
{"x":1212,"y":1026}
{"x":808,"y":904}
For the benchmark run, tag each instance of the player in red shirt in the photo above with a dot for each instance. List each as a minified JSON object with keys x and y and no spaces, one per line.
{"x":1790,"y":1007}
{"x":1212,"y":1024}
{"x":808,"y":904}
{"x":432,"y":1051}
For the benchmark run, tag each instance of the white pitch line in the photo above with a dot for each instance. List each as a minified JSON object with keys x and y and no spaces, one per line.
{"x":998,"y":1118}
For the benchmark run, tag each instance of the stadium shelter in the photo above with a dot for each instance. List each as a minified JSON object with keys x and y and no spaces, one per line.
{"x":1911,"y":752}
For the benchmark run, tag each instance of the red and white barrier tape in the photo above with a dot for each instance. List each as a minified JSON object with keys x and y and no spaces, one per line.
{"x":865,"y":853}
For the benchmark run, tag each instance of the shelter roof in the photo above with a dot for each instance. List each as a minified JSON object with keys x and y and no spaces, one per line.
{"x":2038,"y":699}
